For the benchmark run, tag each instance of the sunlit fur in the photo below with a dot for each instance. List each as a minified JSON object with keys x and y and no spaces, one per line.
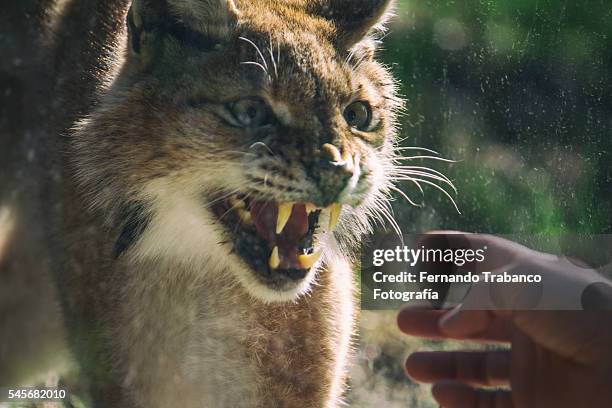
{"x":182,"y":318}
{"x":170,"y":156}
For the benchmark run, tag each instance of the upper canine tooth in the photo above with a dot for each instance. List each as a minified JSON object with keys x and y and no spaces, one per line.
{"x":284,"y":213}
{"x":274,"y":261}
{"x":306,"y":261}
{"x":334,"y":214}
{"x":333,"y":152}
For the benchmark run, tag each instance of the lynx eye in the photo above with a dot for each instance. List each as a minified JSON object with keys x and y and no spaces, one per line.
{"x":251,"y":113}
{"x":358,"y":115}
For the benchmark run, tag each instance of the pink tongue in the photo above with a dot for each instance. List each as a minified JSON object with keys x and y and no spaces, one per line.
{"x":264,"y":216}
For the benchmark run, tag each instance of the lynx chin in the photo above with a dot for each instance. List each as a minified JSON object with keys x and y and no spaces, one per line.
{"x":220,"y":160}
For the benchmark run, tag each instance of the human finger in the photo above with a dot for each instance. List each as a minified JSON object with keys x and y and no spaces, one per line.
{"x":475,"y":325}
{"x":421,"y":322}
{"x":482,"y":325}
{"x":477,"y":368}
{"x":452,"y":394}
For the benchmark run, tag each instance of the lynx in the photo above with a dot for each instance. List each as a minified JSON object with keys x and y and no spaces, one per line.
{"x":224,"y":159}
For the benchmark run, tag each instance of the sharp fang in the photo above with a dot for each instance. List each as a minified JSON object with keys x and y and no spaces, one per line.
{"x":310,"y":207}
{"x":237,"y":203}
{"x":334,"y":215}
{"x":284,"y":213}
{"x":245,"y":216}
{"x":274,"y":261}
{"x":333,"y":152}
{"x":307,"y":261}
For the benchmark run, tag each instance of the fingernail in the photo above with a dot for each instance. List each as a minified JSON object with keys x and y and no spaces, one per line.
{"x":458,"y":323}
{"x":448,"y":321}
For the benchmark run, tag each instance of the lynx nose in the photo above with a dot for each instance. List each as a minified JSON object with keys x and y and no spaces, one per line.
{"x":339,"y":174}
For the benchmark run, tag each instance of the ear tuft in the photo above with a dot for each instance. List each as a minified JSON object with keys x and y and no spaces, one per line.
{"x":354,"y":19}
{"x":198,"y":23}
{"x":213,"y":18}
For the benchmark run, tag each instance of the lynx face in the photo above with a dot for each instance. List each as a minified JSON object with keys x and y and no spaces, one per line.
{"x":237,"y":135}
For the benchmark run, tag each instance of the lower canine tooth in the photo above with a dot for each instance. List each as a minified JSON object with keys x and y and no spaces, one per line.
{"x":237,"y":203}
{"x":274,"y":261}
{"x":245,"y":216}
{"x":306,"y":261}
{"x":284,"y":213}
{"x":334,"y":214}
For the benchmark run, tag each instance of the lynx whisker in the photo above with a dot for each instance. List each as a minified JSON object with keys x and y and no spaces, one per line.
{"x":429,"y":176}
{"x":263,"y":59}
{"x":257,"y":64}
{"x":349,"y":56}
{"x":410,"y":176}
{"x":422,"y":173}
{"x":413,"y":181}
{"x":272,"y":58}
{"x":224,"y":196}
{"x":237,"y":152}
{"x":386,"y":211}
{"x":272,"y":154}
{"x":261,"y":144}
{"x":436,"y":187}
{"x":378,"y":208}
{"x":229,"y":210}
{"x":402,"y":148}
{"x":359,"y":62}
{"x":378,"y":219}
{"x":423,"y":168}
{"x":405,"y":196}
{"x":426,"y":157}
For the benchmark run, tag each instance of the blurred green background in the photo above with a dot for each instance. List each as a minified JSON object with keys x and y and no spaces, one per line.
{"x":519,"y":93}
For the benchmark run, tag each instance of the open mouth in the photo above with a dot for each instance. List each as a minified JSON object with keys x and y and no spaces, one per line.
{"x":277,"y":240}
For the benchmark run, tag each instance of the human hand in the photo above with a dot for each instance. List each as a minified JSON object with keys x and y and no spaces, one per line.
{"x":556,"y":358}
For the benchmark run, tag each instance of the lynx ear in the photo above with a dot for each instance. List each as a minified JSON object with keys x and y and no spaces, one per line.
{"x":198,"y":23}
{"x":354,"y":19}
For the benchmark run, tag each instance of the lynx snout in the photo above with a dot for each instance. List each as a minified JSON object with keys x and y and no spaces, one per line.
{"x":339,"y":175}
